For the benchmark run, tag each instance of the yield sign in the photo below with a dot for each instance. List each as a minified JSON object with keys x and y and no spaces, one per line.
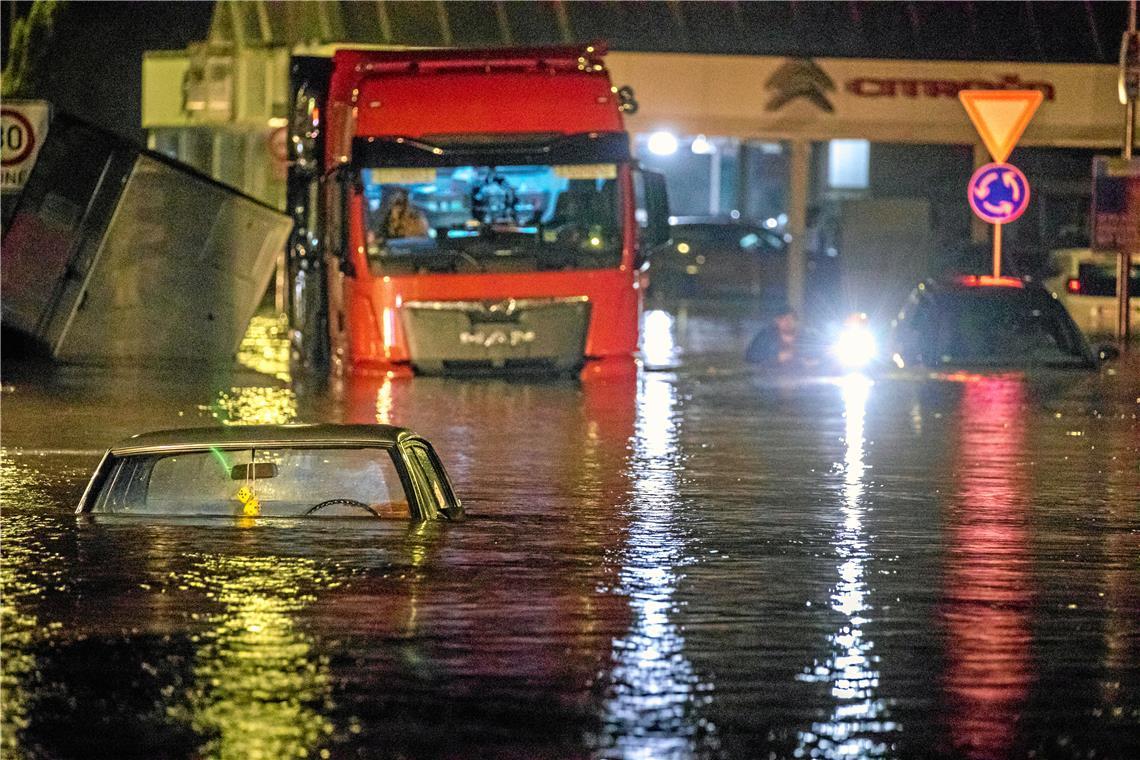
{"x":1000,"y":116}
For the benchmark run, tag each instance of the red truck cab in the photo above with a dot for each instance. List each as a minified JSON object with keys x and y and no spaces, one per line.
{"x":481,"y":210}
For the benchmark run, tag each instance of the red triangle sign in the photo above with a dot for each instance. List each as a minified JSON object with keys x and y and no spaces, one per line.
{"x":1000,"y":116}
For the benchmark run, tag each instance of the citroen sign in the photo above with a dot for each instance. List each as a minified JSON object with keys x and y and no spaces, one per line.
{"x":799,"y":78}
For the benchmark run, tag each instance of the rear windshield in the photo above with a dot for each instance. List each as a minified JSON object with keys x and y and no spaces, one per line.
{"x":1002,"y":326}
{"x":1100,"y":280}
{"x":270,"y":482}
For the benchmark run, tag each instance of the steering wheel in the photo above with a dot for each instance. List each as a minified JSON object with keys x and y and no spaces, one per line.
{"x":346,"y":502}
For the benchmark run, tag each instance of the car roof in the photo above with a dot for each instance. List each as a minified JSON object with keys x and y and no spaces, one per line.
{"x":238,"y":436}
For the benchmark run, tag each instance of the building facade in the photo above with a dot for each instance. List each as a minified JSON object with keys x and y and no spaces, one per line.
{"x":790,"y":142}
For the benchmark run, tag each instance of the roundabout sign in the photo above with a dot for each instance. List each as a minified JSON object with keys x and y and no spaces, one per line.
{"x":998,"y":193}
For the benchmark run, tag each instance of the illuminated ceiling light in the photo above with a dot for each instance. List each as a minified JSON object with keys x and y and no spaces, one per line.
{"x":702,"y":146}
{"x":663,"y":143}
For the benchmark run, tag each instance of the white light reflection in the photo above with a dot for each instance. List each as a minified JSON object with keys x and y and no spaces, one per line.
{"x":652,"y":702}
{"x":658,"y":346}
{"x":850,"y":670}
{"x":384,"y":402}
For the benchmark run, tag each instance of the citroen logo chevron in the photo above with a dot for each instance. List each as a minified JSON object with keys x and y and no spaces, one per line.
{"x":799,"y":78}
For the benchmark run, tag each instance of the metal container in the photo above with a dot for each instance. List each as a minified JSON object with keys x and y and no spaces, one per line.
{"x":115,"y":253}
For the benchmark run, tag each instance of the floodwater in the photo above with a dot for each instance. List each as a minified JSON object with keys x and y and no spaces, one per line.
{"x":693,"y":558}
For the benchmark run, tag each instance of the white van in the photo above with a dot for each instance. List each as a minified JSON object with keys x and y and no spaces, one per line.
{"x":1086,"y":283}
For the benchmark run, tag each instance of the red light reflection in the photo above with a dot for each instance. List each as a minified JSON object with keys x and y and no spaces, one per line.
{"x":987,"y":593}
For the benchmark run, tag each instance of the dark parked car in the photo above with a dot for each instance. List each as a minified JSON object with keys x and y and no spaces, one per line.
{"x":718,"y":257}
{"x":376,"y":471}
{"x":987,"y":322}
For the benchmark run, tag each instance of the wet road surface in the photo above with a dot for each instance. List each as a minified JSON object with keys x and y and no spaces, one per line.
{"x":691,"y":559}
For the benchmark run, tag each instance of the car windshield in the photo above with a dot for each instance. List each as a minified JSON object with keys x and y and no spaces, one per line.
{"x":491,"y":218}
{"x":256,"y":482}
{"x":1099,"y":279}
{"x":998,"y":326}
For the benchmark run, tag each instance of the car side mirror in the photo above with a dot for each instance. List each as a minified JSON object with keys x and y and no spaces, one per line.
{"x":1107,"y":352}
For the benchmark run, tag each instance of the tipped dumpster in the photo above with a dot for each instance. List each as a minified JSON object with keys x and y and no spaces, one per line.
{"x":115,"y":253}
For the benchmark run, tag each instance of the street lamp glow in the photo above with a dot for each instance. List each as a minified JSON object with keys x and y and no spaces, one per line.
{"x":702,"y":146}
{"x":663,"y":143}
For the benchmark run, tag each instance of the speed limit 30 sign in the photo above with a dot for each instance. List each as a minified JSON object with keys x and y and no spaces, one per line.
{"x":23,"y":126}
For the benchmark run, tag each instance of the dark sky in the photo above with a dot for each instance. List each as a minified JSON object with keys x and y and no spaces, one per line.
{"x":93,"y":67}
{"x":94,"y":64}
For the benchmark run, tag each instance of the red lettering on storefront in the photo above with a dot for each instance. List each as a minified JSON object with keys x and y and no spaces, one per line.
{"x":869,"y":87}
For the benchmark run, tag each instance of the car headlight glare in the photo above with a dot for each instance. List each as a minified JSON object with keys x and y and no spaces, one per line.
{"x":855,"y":347}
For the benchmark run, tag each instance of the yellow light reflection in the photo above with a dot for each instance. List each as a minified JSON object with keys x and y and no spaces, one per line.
{"x":851,"y":668}
{"x":256,"y":405}
{"x":265,"y":347}
{"x":261,"y":689}
{"x":28,"y":570}
{"x":384,"y":402}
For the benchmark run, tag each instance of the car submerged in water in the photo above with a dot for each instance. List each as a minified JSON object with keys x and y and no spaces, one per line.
{"x":718,"y":258}
{"x":371,"y":471}
{"x":985,"y":322}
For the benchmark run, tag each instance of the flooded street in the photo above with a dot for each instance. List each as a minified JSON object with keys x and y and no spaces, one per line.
{"x":692,"y":558}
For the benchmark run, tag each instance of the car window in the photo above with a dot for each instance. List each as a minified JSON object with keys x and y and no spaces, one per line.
{"x":732,"y":237}
{"x":1100,"y":280}
{"x":709,"y":235}
{"x":991,"y":325}
{"x":295,"y":480}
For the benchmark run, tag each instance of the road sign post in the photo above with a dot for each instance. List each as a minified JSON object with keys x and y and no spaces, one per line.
{"x":999,"y":192}
{"x":1129,"y":94}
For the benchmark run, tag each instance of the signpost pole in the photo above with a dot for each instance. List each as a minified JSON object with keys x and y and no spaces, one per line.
{"x":997,"y":250}
{"x":1128,"y":64}
{"x":1126,"y":91}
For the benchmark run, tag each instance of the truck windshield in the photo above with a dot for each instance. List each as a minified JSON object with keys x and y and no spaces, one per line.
{"x":491,"y":218}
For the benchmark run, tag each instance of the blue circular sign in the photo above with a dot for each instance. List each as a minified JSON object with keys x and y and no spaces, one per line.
{"x":998,"y":193}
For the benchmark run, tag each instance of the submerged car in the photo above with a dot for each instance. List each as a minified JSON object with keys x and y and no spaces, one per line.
{"x":377,"y":471}
{"x":988,"y":322}
{"x":717,"y":257}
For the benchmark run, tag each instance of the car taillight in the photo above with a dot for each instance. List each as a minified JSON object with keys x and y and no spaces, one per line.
{"x":1073,"y":285}
{"x":986,"y":280}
